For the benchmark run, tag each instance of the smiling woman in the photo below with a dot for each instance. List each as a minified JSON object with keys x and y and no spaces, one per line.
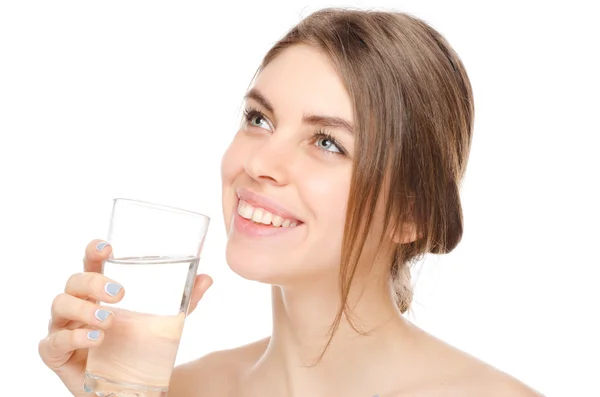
{"x":346,"y":168}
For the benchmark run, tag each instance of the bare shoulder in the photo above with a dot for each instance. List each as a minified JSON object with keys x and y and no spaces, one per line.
{"x":478,"y":378}
{"x":452,"y":372}
{"x":482,"y":379}
{"x":495,"y":383}
{"x":215,"y":373}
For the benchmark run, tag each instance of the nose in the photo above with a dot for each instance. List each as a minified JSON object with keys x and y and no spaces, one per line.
{"x":270,"y":162}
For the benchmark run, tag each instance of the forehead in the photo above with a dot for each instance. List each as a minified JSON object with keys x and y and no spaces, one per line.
{"x":302,"y":80}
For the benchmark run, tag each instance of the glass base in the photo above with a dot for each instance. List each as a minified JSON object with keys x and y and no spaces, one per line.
{"x":102,"y":387}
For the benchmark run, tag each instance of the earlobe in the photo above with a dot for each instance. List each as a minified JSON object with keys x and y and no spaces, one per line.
{"x":406,"y":234}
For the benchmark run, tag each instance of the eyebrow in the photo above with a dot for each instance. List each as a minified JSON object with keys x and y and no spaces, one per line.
{"x":321,"y":121}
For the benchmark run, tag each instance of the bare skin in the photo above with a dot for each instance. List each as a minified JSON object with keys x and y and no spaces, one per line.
{"x":295,"y":169}
{"x":449,"y":373}
{"x":426,"y":367}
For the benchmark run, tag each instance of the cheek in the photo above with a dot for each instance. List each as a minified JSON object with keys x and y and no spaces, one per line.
{"x":231,"y":167}
{"x":231,"y":163}
{"x":327,"y":195}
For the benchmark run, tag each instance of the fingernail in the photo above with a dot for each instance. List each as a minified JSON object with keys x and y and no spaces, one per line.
{"x":87,"y":389}
{"x":101,"y":314}
{"x":93,"y":335}
{"x":100,"y":246}
{"x":112,"y":288}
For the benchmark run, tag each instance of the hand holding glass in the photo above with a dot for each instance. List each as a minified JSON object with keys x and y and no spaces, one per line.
{"x":155,"y":255}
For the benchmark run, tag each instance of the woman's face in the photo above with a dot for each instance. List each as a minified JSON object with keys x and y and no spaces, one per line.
{"x":286,"y":174}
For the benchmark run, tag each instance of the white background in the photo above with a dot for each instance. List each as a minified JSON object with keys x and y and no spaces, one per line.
{"x":139,"y":99}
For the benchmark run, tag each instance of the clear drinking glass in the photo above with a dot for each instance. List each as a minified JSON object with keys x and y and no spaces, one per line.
{"x":155,"y":255}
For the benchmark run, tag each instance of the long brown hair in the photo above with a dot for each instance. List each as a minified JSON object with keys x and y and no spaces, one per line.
{"x":413,"y":116}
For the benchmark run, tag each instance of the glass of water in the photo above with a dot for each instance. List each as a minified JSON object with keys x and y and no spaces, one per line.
{"x":155,"y":255}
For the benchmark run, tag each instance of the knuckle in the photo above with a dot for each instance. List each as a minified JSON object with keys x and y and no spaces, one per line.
{"x":72,"y":280}
{"x":41,"y":348}
{"x":53,"y":342}
{"x":58,"y":302}
{"x":72,"y":339}
{"x":91,"y":281}
{"x":81,"y":308}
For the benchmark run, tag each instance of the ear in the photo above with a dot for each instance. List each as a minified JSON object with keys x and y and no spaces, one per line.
{"x":406,"y":234}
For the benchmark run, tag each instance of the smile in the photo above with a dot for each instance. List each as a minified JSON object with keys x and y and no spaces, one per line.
{"x":261,"y":215}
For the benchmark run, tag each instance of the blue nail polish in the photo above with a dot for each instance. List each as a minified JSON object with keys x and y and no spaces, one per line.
{"x":93,"y":335}
{"x":112,"y":289}
{"x":101,"y":314}
{"x":100,"y":246}
{"x":87,"y":389}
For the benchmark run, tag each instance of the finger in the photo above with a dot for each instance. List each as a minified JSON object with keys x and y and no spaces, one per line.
{"x":201,"y":285}
{"x":67,"y":308}
{"x":57,"y":348}
{"x":95,"y":286}
{"x":96,"y":252}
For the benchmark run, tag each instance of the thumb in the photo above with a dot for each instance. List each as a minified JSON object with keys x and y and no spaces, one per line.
{"x":201,"y":285}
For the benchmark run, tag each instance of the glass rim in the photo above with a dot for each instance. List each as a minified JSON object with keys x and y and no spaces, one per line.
{"x":161,"y":207}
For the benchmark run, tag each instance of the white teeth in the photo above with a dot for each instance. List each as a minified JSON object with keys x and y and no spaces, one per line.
{"x":266,"y":218}
{"x":260,"y":215}
{"x":257,"y":216}
{"x":277,"y":220}
{"x":245,"y":210}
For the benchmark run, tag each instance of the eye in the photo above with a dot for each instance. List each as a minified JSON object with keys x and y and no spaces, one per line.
{"x":328,"y":143}
{"x":256,"y":118}
{"x":258,"y":121}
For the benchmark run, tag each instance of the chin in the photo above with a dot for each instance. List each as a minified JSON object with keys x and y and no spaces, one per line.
{"x":263,"y":267}
{"x":275,"y":268}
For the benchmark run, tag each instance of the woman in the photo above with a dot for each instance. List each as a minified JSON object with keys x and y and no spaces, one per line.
{"x":346,"y":168}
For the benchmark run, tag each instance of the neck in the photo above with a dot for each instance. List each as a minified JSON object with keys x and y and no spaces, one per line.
{"x":302,"y":320}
